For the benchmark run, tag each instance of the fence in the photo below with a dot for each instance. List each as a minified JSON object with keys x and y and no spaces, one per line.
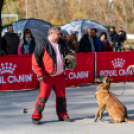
{"x":16,"y":71}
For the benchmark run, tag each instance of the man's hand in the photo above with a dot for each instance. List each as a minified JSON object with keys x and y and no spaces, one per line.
{"x":130,"y":67}
{"x":41,"y":78}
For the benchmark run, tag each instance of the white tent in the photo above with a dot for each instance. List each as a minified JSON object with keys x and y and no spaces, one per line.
{"x":80,"y":27}
{"x":39,"y":28}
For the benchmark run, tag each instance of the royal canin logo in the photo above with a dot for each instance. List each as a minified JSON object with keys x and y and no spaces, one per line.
{"x":78,"y":75}
{"x":7,"y":68}
{"x":13,"y":78}
{"x":118,"y":62}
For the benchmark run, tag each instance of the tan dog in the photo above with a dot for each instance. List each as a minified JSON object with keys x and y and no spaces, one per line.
{"x":107,"y":101}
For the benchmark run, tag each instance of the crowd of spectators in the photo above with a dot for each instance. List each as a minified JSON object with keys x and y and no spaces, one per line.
{"x":90,"y":42}
{"x":11,"y":44}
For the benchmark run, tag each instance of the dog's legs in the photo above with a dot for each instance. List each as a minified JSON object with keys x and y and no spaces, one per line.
{"x":101,"y":107}
{"x":114,"y":122}
{"x":116,"y":115}
{"x":101,"y":113}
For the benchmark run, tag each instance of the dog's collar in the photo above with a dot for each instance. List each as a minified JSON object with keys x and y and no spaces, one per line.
{"x":102,"y":90}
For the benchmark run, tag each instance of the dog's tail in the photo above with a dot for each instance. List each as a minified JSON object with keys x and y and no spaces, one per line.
{"x":128,"y":119}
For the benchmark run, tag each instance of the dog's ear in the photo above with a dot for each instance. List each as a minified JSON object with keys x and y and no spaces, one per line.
{"x":98,"y":79}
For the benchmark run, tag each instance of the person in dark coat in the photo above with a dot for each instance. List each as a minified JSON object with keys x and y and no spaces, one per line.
{"x":98,"y":42}
{"x":117,"y":42}
{"x":122,"y":35}
{"x":88,"y":42}
{"x":10,"y":41}
{"x":112,"y":34}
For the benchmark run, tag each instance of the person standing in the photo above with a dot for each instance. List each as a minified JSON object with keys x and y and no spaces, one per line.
{"x":75,"y":42}
{"x":68,"y":42}
{"x":88,"y":43}
{"x":98,"y":42}
{"x":105,"y":45}
{"x":27,"y":44}
{"x":10,"y":41}
{"x":117,"y":42}
{"x":47,"y":63}
{"x":112,"y":34}
{"x":123,"y":38}
{"x":123,"y":35}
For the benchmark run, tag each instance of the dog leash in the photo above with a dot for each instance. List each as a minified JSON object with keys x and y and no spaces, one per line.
{"x":124,"y":84}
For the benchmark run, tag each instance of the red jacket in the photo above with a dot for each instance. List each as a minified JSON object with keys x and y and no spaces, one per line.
{"x":108,"y":47}
{"x":44,"y":57}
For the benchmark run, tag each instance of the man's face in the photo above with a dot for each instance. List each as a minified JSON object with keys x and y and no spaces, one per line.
{"x":10,"y":29}
{"x":129,"y":49}
{"x":68,"y":37}
{"x":111,"y":29}
{"x":121,"y":28}
{"x":56,"y":36}
{"x":120,"y":33}
{"x":93,"y":33}
{"x":89,"y":31}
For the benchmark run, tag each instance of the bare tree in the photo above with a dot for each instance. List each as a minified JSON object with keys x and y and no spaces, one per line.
{"x":62,"y":11}
{"x":1,"y":4}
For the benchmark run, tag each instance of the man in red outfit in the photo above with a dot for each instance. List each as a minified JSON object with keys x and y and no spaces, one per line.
{"x":47,"y":63}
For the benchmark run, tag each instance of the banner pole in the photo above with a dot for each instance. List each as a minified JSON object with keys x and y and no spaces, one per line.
{"x":95,"y":67}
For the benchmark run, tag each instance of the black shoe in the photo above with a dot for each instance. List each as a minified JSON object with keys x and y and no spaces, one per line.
{"x":35,"y":121}
{"x":67,"y":119}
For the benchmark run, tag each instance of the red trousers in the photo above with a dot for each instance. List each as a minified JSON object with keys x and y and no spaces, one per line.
{"x":58,"y":82}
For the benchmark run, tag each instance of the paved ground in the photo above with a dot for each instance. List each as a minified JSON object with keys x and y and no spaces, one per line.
{"x":81,"y":107}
